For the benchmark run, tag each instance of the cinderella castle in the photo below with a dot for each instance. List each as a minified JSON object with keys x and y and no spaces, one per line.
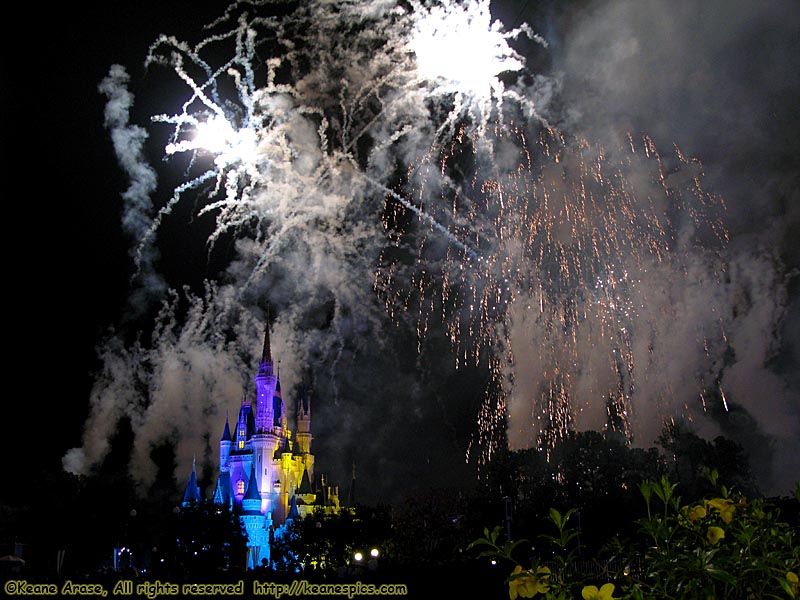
{"x":266,"y":470}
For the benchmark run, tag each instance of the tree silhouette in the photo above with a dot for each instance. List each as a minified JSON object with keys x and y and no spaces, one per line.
{"x":689,"y":457}
{"x":203,"y":541}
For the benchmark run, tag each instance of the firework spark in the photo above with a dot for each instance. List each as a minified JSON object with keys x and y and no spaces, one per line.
{"x":576,"y":255}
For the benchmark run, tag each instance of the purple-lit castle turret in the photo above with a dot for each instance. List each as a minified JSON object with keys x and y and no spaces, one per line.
{"x":266,"y":382}
{"x":266,"y":472}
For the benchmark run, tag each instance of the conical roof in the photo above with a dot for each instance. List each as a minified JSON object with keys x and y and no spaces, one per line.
{"x":192,"y":493}
{"x":305,"y":484}
{"x":226,"y":433}
{"x":252,"y":492}
{"x":293,"y":512}
{"x":266,"y":351}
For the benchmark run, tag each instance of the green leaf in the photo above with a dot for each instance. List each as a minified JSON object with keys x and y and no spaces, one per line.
{"x":787,"y":587}
{"x":665,"y":489}
{"x":712,"y":475}
{"x":555,"y":517}
{"x":722,"y":576}
{"x":494,"y":534}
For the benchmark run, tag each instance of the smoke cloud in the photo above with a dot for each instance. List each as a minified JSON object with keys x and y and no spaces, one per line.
{"x":717,"y":81}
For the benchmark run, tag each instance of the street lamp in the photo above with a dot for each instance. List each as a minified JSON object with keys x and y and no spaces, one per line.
{"x":373,"y":562}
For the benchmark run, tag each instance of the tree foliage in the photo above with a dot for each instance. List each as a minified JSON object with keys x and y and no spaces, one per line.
{"x":689,"y":457}
{"x":722,"y":546}
{"x":323,"y":544}
{"x":201,"y":542}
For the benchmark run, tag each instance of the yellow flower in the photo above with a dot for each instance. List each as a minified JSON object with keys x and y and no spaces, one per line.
{"x":698,"y":512}
{"x":590,"y":592}
{"x":724,"y":506}
{"x":715,"y":534}
{"x":526,"y":583}
{"x":794,"y":583}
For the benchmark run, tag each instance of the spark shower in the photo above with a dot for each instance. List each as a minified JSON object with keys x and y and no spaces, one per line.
{"x":348,"y":151}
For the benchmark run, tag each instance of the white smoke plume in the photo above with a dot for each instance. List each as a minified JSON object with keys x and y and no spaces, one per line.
{"x":128,"y":141}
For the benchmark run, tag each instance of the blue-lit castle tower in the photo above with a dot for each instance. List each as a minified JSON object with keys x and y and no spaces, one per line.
{"x":266,"y":470}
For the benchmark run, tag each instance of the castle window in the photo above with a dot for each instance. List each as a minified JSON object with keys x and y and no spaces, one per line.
{"x":241,"y":444}
{"x":240,"y":487}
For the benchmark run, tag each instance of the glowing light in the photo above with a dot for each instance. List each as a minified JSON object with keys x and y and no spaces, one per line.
{"x":462,"y":45}
{"x":218,"y":137}
{"x":215,"y":135}
{"x":358,"y":556}
{"x":460,"y":52}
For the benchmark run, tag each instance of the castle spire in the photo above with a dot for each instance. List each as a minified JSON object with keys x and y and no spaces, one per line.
{"x":192,"y":493}
{"x":226,"y":433}
{"x":265,"y":364}
{"x":265,"y":387}
{"x":303,"y":408}
{"x":252,"y":486}
{"x":266,"y":353}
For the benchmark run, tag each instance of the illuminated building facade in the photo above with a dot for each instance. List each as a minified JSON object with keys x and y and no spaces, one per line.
{"x":266,"y":470}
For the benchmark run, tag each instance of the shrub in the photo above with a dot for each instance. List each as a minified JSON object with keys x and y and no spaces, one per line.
{"x":720,"y":547}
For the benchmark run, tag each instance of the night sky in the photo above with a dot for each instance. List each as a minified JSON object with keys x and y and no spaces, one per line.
{"x":718,"y":79}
